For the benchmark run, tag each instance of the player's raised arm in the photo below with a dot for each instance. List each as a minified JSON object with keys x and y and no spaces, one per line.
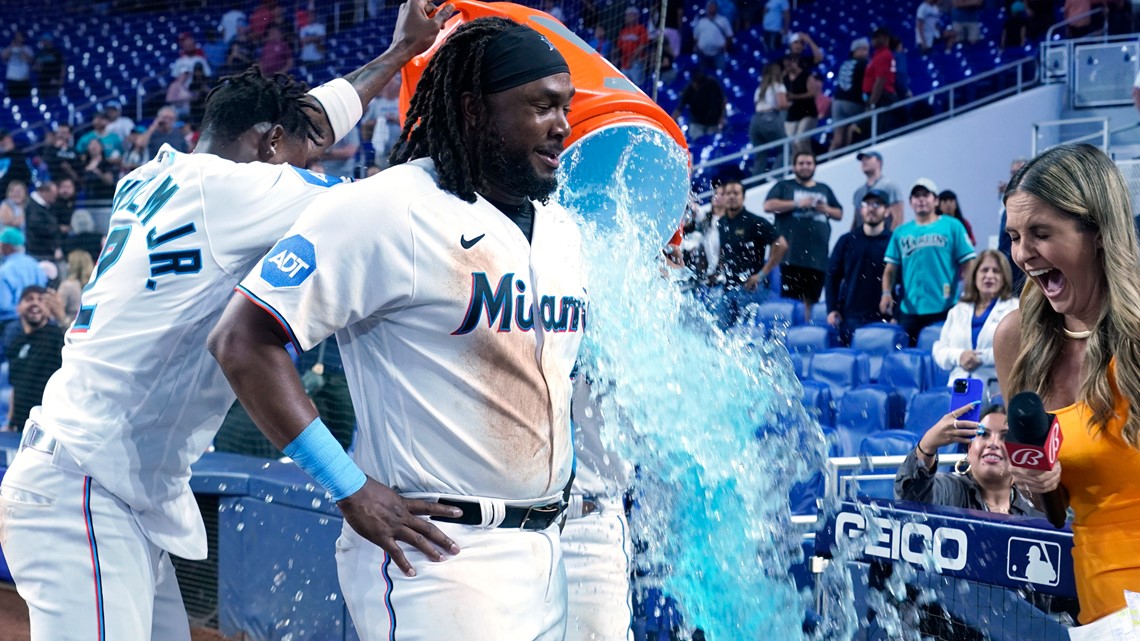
{"x":248,"y":343}
{"x":417,"y":26}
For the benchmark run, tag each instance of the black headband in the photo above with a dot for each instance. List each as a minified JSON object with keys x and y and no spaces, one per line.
{"x":517,"y":56}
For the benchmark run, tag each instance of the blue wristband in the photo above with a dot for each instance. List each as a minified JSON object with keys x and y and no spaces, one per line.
{"x":318,"y":453}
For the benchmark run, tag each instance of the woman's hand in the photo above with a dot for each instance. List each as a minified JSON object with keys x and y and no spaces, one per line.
{"x":950,"y":429}
{"x":1037,"y":481}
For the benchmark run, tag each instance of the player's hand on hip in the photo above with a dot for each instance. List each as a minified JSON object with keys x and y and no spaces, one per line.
{"x":417,"y":27}
{"x":1037,"y":481}
{"x":383,"y":517}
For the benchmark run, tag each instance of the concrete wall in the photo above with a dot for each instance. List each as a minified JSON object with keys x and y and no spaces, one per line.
{"x":969,"y":154}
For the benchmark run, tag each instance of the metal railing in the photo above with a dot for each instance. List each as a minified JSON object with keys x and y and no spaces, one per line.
{"x":1080,"y":16}
{"x":1101,"y":133}
{"x":1102,"y":58}
{"x":1026,"y":76}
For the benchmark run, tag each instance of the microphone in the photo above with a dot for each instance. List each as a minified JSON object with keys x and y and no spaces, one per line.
{"x":1033,"y":441}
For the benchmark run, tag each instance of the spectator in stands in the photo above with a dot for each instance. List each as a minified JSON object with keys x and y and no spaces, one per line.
{"x":14,"y":163}
{"x":879,"y":78}
{"x":83,"y":235}
{"x":855,"y":270}
{"x":555,"y":10}
{"x":18,"y":74}
{"x":239,"y":57}
{"x":803,"y":208}
{"x":966,"y":345}
{"x":966,"y":18}
{"x":902,"y":69}
{"x":871,"y":162}
{"x":767,"y":126}
{"x":232,"y":23}
{"x":215,"y":49}
{"x":162,"y":132}
{"x":33,"y":355}
{"x":199,"y":90}
{"x":1074,"y":341}
{"x":1016,"y":27}
{"x":80,"y":266}
{"x":137,"y":153}
{"x":930,"y":250}
{"x":59,"y":154}
{"x":311,"y":36}
{"x":741,"y":267}
{"x":948,"y":206}
{"x":42,"y":227}
{"x":381,"y":122}
{"x":17,"y":272}
{"x":670,"y":36}
{"x":849,"y":100}
{"x":704,"y":101}
{"x":189,"y":55}
{"x":777,"y":24}
{"x":117,"y":124}
{"x":267,"y":13}
{"x":276,"y":53}
{"x":985,"y":483}
{"x":1003,"y":238}
{"x":178,"y":94}
{"x":110,"y":144}
{"x":340,"y":158}
{"x":632,"y":43}
{"x":712,"y":36}
{"x":802,"y":88}
{"x":13,"y":207}
{"x":1079,"y":23}
{"x":64,"y":205}
{"x":99,"y":173}
{"x":599,"y":43}
{"x":803,"y":47}
{"x":50,"y":66}
{"x":928,"y":27}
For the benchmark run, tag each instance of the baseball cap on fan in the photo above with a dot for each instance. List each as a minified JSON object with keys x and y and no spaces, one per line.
{"x":923,"y":184}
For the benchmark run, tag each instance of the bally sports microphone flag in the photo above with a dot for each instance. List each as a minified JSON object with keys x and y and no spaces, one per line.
{"x":1033,"y":442}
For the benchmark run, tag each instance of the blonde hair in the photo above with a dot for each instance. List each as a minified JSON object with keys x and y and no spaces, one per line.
{"x":773,"y":74}
{"x":1084,"y":184}
{"x":971,"y":294}
{"x":80,"y":265}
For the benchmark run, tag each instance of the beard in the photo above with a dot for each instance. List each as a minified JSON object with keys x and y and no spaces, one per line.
{"x":512,"y":169}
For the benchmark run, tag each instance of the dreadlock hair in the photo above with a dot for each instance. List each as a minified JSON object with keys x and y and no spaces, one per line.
{"x":243,"y":100}
{"x":434,"y":126}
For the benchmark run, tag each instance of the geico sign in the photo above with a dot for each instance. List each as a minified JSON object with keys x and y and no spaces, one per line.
{"x":898,"y":541}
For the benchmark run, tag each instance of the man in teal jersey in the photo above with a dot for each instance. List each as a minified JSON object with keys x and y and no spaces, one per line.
{"x":930,"y":251}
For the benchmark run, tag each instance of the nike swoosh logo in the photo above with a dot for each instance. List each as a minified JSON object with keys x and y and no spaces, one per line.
{"x":468,"y":244}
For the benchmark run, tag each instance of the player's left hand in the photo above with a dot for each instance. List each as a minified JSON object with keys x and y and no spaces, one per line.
{"x":417,"y":27}
{"x":382,"y":516}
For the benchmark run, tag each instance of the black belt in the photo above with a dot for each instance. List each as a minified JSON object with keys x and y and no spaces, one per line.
{"x":535,"y":517}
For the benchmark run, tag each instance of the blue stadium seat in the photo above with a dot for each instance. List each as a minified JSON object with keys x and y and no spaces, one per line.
{"x":884,"y":443}
{"x":861,"y":412}
{"x":779,"y":313}
{"x":840,"y":368}
{"x":801,"y":363}
{"x":878,"y":340}
{"x":816,"y":398}
{"x":928,"y":336}
{"x":803,"y":496}
{"x":808,"y":339}
{"x":926,"y":409}
{"x":906,"y":372}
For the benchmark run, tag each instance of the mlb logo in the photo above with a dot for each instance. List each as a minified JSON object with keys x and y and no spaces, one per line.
{"x":1033,"y":561}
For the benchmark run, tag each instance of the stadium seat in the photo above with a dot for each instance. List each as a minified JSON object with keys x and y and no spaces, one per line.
{"x":878,"y":340}
{"x":926,"y":409}
{"x":779,"y":313}
{"x":816,"y":398}
{"x":809,"y":339}
{"x":861,"y":412}
{"x":884,"y":443}
{"x":928,"y":336}
{"x":800,"y":365}
{"x":803,"y":496}
{"x":841,"y":368}
{"x":906,"y":372}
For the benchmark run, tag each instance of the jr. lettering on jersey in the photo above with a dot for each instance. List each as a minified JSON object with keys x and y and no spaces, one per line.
{"x":504,"y":312}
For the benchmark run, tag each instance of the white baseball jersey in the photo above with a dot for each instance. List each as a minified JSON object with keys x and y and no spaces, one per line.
{"x":138,"y":398}
{"x":459,"y":335}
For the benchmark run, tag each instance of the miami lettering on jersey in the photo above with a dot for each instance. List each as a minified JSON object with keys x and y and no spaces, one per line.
{"x":556,"y":314}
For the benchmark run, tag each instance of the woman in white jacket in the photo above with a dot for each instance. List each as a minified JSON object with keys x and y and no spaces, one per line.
{"x":966,"y":346}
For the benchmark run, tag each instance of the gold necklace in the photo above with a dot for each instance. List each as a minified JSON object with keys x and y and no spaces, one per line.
{"x":994,"y":508}
{"x":1077,"y":336}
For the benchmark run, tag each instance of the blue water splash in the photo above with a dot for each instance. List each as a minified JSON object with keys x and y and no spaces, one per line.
{"x":713,"y":421}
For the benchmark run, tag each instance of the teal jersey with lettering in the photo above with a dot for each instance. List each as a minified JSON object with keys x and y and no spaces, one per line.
{"x":458,"y":335}
{"x":138,"y":398}
{"x":929,"y":256}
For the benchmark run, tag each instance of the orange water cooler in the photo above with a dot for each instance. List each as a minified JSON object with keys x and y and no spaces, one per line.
{"x":624,"y":151}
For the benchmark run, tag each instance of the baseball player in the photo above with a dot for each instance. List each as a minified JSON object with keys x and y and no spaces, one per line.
{"x":458,"y":298}
{"x":596,"y":543}
{"x":98,"y":495}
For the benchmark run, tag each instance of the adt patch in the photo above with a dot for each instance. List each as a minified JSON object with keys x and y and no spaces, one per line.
{"x":290,"y":262}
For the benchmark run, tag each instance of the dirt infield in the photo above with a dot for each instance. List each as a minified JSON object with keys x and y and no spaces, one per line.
{"x":14,"y":619}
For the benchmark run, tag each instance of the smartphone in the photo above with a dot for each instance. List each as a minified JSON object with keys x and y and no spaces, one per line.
{"x":964,"y":391}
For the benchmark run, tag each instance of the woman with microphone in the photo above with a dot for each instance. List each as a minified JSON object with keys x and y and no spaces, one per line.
{"x":1075,"y":341}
